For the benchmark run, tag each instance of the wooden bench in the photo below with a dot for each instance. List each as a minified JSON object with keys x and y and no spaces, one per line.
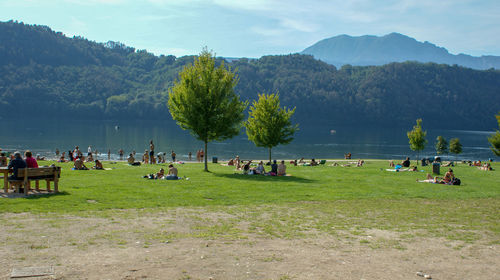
{"x":26,"y":175}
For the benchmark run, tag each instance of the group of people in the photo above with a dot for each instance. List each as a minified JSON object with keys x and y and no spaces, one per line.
{"x":17,"y":161}
{"x":172,"y":174}
{"x":276,"y":169}
{"x":448,"y":179}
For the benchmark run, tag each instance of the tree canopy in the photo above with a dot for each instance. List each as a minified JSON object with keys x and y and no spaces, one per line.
{"x":203,"y":101}
{"x":416,"y":138}
{"x":455,"y":146}
{"x":441,"y":145}
{"x":268,"y":124}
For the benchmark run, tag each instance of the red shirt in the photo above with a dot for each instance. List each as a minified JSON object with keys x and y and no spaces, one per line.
{"x":31,"y":162}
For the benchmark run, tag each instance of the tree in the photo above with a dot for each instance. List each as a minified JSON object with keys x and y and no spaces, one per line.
{"x":495,"y":139}
{"x":268,"y":124}
{"x":455,"y":146}
{"x":203,"y":101}
{"x":417,"y":138}
{"x":441,"y":145}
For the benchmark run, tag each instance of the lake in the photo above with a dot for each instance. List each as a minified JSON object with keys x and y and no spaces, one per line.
{"x":43,"y":137}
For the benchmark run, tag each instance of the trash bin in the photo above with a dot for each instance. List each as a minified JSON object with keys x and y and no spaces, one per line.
{"x":435,"y":167}
{"x":214,"y":160}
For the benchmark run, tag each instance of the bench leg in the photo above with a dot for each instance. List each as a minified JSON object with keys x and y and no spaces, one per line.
{"x":37,"y":185}
{"x":27,"y":188}
{"x":56,"y":186}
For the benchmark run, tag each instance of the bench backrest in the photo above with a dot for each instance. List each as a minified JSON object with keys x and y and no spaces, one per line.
{"x":40,"y":173}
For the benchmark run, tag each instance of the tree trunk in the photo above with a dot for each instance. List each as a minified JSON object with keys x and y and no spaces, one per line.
{"x":206,"y":157}
{"x":270,"y":154}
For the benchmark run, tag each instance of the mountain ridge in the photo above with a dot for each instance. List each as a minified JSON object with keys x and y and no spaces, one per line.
{"x":367,"y":50}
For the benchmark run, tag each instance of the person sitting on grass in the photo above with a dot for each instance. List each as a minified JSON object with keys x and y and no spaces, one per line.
{"x":448,"y":177}
{"x":360,"y":163}
{"x":30,"y":161}
{"x":90,"y":158}
{"x":230,"y":162}
{"x":38,"y":157}
{"x":282,"y":169}
{"x":260,"y":168}
{"x":274,"y":169}
{"x":172,"y":173}
{"x":78,"y":165}
{"x":62,"y":159}
{"x":131,"y":160}
{"x":246,"y":168}
{"x":391,"y":163}
{"x":314,"y":162}
{"x":406,"y":162}
{"x":302,"y":161}
{"x":98,"y":165}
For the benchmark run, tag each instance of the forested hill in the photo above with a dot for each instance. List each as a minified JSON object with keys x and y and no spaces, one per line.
{"x":44,"y":74}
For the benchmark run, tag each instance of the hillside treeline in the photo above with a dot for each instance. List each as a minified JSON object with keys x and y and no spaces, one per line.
{"x":44,"y":74}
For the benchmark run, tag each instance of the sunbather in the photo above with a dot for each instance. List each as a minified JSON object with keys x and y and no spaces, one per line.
{"x":98,"y":165}
{"x":172,"y":173}
{"x":79,"y":165}
{"x":429,"y":179}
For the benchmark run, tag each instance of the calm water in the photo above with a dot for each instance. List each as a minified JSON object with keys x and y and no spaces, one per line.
{"x":310,"y":142}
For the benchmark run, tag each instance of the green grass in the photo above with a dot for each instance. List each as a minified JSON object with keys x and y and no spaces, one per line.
{"x":323,"y":199}
{"x":124,"y":188}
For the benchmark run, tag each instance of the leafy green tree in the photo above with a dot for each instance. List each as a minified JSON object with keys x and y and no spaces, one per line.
{"x":203,"y":101}
{"x":268,"y":124}
{"x":455,"y":146}
{"x":416,"y":138}
{"x":495,"y":139}
{"x":441,"y":145}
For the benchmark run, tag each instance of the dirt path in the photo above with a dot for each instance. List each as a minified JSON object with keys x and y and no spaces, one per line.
{"x":162,"y":246}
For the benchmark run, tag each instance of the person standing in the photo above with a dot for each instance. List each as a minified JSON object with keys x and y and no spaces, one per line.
{"x":151,"y":152}
{"x":173,"y":156}
{"x":120,"y":152}
{"x":109,"y":154}
{"x":202,"y":154}
{"x":189,"y":156}
{"x":89,"y":150}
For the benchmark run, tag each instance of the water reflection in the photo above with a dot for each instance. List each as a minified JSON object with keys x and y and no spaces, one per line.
{"x":44,"y":137}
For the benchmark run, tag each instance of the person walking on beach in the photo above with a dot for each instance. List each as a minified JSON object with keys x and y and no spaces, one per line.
{"x":151,"y":152}
{"x":173,"y":156}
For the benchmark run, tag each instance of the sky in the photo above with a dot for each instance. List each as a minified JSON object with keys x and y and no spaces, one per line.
{"x":253,"y":28}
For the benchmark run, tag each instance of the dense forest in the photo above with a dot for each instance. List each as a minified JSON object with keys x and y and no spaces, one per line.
{"x":44,"y":74}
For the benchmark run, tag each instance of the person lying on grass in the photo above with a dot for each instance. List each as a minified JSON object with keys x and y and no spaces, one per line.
{"x":414,"y":168}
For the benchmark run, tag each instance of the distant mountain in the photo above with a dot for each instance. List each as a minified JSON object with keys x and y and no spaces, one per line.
{"x":394,"y":47}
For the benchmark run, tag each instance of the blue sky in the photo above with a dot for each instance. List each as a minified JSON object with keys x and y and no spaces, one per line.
{"x":253,"y":28}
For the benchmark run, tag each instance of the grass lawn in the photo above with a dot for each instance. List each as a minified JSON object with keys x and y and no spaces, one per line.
{"x":323,"y":198}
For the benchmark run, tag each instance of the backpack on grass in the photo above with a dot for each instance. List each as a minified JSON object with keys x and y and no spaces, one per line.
{"x":455,"y":182}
